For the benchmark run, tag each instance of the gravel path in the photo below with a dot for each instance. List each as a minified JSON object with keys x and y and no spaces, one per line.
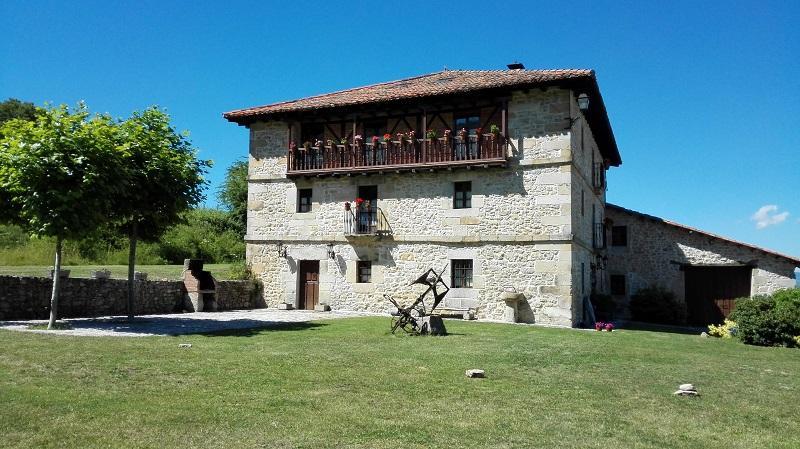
{"x":184,"y":323}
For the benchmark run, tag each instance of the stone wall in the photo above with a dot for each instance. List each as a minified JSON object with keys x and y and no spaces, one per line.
{"x":23,"y":298}
{"x":656,"y":251}
{"x":536,"y":270}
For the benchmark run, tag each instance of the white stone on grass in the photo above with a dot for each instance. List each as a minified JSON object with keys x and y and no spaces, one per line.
{"x":475,"y":373}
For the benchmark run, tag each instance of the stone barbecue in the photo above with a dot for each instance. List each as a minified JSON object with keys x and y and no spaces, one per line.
{"x":200,"y":287}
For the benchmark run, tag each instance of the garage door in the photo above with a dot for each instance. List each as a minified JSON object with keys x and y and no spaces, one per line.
{"x":711,"y":291}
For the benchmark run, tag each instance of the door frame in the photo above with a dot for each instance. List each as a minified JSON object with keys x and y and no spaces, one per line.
{"x":303,"y":267}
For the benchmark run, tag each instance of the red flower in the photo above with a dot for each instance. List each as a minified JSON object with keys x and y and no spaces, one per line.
{"x":359,"y":201}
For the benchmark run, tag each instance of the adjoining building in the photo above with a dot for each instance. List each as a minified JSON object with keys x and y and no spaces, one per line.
{"x":499,"y":176}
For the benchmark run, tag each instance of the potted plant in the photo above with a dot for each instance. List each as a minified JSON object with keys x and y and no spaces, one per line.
{"x":387,"y":138}
{"x":431,"y":134}
{"x":494,"y":130}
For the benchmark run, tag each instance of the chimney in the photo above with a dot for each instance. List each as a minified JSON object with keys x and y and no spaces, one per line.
{"x":515,"y":66}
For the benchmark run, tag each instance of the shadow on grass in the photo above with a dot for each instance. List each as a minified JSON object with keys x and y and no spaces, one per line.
{"x":253,"y":331}
{"x":653,"y":327}
{"x":176,"y":325}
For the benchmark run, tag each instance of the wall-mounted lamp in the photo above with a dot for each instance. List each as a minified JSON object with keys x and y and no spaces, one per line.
{"x":281,"y":250}
{"x":583,"y":105}
{"x":331,"y":254}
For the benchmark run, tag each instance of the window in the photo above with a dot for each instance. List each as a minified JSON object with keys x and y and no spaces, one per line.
{"x":462,"y":273}
{"x":469,"y":121}
{"x":619,"y":236}
{"x":618,"y":284}
{"x":462,"y":195}
{"x":374,"y":129}
{"x":364,"y":271}
{"x":303,"y":200}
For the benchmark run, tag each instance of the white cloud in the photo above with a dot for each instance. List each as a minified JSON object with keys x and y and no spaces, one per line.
{"x":768,"y":215}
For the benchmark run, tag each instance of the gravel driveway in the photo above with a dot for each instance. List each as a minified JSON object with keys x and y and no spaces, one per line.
{"x":183,"y":323}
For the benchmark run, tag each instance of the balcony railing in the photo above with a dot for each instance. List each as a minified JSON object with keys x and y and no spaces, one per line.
{"x":598,"y":236}
{"x":410,"y":153}
{"x":598,"y":176}
{"x":365,"y":221}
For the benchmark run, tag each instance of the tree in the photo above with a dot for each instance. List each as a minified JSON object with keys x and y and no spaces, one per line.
{"x":13,"y":108}
{"x":165,"y":180}
{"x":59,"y":176}
{"x":233,"y":195}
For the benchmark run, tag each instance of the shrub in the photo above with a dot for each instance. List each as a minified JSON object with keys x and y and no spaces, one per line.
{"x":655,"y":304}
{"x":239,"y":271}
{"x":727,"y":329}
{"x":769,"y":320}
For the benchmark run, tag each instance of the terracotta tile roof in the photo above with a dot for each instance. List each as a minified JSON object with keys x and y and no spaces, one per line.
{"x":792,"y":259}
{"x":440,"y":83}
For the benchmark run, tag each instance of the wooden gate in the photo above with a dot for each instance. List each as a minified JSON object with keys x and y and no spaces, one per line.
{"x":711,"y":292}
{"x":309,"y":284}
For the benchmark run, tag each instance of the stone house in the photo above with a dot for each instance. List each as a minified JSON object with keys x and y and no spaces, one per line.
{"x":497,"y":177}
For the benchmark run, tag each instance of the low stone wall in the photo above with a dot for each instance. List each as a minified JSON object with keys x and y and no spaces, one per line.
{"x":24,"y":298}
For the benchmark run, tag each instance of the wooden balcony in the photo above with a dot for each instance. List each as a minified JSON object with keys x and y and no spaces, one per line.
{"x":394,"y":156}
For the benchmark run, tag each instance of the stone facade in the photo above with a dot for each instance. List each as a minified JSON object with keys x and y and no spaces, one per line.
{"x":524,"y":231}
{"x":24,"y":298}
{"x":657,"y":251}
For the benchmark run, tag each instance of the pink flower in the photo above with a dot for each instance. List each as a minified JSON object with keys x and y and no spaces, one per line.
{"x":598,"y":326}
{"x":609,"y":327}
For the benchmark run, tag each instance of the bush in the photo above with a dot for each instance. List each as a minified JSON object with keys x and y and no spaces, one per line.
{"x":239,"y":271}
{"x":655,"y":304}
{"x":727,"y":329}
{"x":769,"y":320}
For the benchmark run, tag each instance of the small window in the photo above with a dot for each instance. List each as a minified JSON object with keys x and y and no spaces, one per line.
{"x":462,"y":273}
{"x":619,"y":236}
{"x":462,"y":195}
{"x":618,"y":284}
{"x":304,"y":200}
{"x":364,"y":269}
{"x":469,"y":122}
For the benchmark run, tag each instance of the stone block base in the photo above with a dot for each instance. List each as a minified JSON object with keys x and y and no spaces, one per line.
{"x":432,"y":325}
{"x":285,"y":306}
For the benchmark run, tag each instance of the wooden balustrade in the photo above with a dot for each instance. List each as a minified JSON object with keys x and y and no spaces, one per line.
{"x":355,"y":157}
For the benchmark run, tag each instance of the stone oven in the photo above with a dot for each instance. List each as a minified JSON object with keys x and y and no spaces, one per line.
{"x":200,"y":287}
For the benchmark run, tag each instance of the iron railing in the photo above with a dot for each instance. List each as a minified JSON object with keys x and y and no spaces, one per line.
{"x":396,"y":153}
{"x":359,"y":220}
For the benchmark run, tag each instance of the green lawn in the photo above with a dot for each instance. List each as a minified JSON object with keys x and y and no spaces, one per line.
{"x":220,"y":271}
{"x":348,"y":383}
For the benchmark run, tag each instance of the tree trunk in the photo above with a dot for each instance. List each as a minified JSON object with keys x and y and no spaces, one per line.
{"x":56,"y":286}
{"x":131,"y":270}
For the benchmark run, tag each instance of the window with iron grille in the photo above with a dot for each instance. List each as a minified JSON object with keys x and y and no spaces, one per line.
{"x":304,"y":200}
{"x":461,"y":273}
{"x":619,"y":236}
{"x":462,"y":195}
{"x":617,"y":284}
{"x":364,"y":269}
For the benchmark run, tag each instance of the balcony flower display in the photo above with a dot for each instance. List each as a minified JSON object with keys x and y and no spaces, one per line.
{"x":494,"y":130}
{"x":306,"y":145}
{"x":411,"y":136}
{"x":293,"y":145}
{"x":376,"y":140}
{"x":463,"y":134}
{"x":343,"y":141}
{"x":387,"y":138}
{"x":319,"y":143}
{"x":431,"y":134}
{"x":446,"y":136}
{"x":359,"y":201}
{"x":400,"y":137}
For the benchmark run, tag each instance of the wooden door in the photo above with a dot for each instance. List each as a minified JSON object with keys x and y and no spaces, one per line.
{"x":309,"y":284}
{"x":711,"y":292}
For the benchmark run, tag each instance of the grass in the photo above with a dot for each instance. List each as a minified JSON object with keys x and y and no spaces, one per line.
{"x":220,"y":271}
{"x":349,"y":383}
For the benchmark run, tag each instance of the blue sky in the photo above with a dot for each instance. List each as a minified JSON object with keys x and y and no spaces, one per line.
{"x":703,"y":97}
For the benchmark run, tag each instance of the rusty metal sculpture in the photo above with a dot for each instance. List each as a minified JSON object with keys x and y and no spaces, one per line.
{"x":410,"y":318}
